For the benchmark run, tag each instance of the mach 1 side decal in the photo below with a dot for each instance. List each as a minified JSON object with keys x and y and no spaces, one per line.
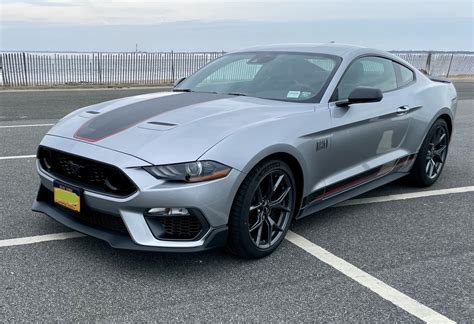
{"x":357,"y":180}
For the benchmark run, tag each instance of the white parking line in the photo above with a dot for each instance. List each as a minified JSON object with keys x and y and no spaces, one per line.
{"x":40,"y":238}
{"x":14,"y":157}
{"x":420,"y":194}
{"x":29,"y":125}
{"x":44,"y":238}
{"x":380,"y":288}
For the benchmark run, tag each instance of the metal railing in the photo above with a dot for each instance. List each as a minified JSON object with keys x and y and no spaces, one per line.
{"x":445,"y":64}
{"x":22,"y":69}
{"x":76,"y":69}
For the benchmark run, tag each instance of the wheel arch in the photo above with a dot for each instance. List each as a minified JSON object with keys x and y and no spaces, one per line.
{"x":297,"y":170}
{"x":289,"y":155}
{"x":447,"y":118}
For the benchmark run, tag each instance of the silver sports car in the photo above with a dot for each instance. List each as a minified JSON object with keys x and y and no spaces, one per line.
{"x":244,"y":146}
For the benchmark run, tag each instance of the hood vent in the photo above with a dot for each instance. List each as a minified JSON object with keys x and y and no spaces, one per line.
{"x":161,"y":124}
{"x":89,"y":113}
{"x":157,"y":125}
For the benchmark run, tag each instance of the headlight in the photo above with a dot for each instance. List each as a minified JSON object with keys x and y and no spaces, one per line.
{"x":189,"y":172}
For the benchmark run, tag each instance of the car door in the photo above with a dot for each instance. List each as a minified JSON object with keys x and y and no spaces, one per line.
{"x":366,"y":136}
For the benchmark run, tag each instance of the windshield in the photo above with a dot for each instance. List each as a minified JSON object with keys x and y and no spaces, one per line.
{"x":300,"y":77}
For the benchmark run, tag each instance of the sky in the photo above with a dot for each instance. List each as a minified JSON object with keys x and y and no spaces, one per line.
{"x":215,"y":25}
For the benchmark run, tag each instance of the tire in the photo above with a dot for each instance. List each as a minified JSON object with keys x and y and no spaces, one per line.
{"x":432,"y":155}
{"x":260,"y":217}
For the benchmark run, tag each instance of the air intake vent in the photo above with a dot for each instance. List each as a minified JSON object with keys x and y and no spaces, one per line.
{"x":189,"y":227}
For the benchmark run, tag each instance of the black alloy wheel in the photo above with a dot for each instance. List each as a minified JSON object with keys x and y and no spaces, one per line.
{"x":432,"y":155}
{"x":437,"y":152}
{"x":262,"y":210}
{"x":271,"y":208}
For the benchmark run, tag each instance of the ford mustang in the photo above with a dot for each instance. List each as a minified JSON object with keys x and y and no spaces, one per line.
{"x":244,"y":146}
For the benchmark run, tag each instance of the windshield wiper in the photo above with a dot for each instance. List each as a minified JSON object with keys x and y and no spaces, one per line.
{"x":189,"y":90}
{"x":236,"y":94}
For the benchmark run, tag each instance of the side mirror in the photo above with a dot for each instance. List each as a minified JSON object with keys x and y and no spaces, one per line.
{"x":179,"y":81}
{"x":361,"y":95}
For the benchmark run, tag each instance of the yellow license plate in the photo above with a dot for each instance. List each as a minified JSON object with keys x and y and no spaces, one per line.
{"x":67,"y":197}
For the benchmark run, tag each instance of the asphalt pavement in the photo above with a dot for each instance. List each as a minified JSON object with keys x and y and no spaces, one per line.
{"x":422,"y":247}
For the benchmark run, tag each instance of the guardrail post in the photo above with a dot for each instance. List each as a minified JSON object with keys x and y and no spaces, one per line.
{"x":449,"y":67}
{"x":99,"y":68}
{"x":428,"y":63}
{"x":2,"y":68}
{"x":172,"y":67}
{"x":24,"y":68}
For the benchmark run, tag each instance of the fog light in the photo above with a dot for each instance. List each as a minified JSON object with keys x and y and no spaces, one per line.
{"x":175,"y":211}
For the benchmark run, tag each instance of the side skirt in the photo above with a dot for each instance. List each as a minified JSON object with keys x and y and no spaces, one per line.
{"x":356,"y":185}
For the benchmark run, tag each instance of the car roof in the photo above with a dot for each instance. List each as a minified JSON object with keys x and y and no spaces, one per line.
{"x":323,"y":48}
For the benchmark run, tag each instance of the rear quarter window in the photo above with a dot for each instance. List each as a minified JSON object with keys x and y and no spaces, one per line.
{"x":406,"y":76}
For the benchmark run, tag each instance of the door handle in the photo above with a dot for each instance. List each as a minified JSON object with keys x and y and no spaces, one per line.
{"x":403,"y":110}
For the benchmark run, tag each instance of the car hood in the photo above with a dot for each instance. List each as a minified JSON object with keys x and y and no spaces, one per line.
{"x":169,"y":127}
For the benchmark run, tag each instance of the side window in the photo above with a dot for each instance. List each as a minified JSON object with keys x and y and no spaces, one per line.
{"x":405,"y":75}
{"x":368,"y":72}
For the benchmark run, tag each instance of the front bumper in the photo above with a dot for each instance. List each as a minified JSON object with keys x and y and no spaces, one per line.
{"x":212,"y":200}
{"x":215,"y":238}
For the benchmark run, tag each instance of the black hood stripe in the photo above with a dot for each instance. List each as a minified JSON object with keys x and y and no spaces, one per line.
{"x":122,"y":118}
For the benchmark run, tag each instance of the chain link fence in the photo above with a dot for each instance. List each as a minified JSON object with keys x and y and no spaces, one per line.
{"x":22,"y":69}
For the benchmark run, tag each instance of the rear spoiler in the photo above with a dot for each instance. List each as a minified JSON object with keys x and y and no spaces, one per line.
{"x":438,"y":79}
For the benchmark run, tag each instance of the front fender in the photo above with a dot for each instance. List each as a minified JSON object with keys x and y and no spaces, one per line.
{"x":296,"y":136}
{"x":245,"y":149}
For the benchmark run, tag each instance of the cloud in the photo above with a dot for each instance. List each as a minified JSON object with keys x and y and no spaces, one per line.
{"x":44,"y":3}
{"x":151,"y":12}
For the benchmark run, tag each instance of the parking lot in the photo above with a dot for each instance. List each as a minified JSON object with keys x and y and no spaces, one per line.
{"x":405,"y":256}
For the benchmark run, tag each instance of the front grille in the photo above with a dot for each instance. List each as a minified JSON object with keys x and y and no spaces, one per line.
{"x":98,"y":219}
{"x":85,"y":173}
{"x":88,"y":216}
